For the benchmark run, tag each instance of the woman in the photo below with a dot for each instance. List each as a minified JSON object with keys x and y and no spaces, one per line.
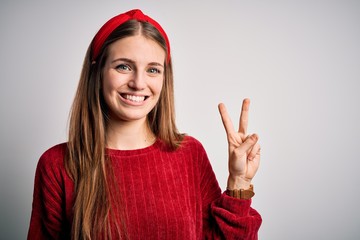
{"x":126,"y":172}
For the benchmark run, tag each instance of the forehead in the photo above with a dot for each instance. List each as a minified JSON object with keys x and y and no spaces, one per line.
{"x":137,"y":48}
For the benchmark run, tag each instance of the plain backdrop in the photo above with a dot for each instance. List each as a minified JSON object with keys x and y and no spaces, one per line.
{"x":298,"y":62}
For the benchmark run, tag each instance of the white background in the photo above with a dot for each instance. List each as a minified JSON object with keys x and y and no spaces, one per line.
{"x":298,"y":61}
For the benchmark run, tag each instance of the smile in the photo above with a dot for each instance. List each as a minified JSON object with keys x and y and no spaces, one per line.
{"x":134,"y":98}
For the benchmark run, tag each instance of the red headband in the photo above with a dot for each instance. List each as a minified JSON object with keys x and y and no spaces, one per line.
{"x":116,"y":21}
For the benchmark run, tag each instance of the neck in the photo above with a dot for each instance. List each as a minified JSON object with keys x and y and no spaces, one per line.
{"x":129,"y":135}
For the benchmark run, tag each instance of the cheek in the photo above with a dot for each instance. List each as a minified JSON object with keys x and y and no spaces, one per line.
{"x":159,"y":86}
{"x":107,"y":89}
{"x":109,"y":83}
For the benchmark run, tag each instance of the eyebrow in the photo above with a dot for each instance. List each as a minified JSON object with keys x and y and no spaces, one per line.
{"x":133,"y":62}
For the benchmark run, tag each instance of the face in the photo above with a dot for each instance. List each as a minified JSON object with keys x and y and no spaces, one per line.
{"x":133,"y":78}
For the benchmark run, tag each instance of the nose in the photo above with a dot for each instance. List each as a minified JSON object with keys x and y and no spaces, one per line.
{"x":138,"y":81}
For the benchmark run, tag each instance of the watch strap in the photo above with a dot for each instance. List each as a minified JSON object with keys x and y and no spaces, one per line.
{"x":241,"y":193}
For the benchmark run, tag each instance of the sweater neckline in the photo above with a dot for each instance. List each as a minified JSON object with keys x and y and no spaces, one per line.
{"x":118,"y":152}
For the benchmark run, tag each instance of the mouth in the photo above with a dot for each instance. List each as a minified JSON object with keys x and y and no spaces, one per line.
{"x":134,"y":98}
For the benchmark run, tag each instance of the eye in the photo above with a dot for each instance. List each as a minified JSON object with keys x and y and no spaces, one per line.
{"x":123,"y":67}
{"x":154,"y":70}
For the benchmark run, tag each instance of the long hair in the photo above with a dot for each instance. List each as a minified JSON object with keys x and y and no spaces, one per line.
{"x":86,"y":160}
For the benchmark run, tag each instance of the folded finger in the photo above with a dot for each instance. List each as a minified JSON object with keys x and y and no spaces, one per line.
{"x":254,"y":151}
{"x":247,"y":145}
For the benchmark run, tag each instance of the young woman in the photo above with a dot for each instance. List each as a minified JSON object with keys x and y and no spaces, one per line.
{"x":126,"y":172}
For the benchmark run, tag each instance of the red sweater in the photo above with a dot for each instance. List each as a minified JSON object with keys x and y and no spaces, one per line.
{"x":166,"y":195}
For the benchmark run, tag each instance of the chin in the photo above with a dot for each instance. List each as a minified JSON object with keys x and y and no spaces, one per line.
{"x":132,"y":116}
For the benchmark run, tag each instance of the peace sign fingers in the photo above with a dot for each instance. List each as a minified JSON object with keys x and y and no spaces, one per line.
{"x":229,"y":128}
{"x":244,"y":151}
{"x":244,"y":116}
{"x":232,"y":136}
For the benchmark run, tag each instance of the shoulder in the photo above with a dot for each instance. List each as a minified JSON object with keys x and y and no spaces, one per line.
{"x":53,"y":158}
{"x":196,"y":154}
{"x":192,"y":145}
{"x":54,"y":154}
{"x":191,"y":142}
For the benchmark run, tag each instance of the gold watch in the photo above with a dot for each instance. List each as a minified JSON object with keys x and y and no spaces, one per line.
{"x":241,"y":193}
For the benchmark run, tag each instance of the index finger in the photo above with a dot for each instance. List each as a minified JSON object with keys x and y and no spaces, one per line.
{"x":244,"y":116}
{"x":226,"y":119}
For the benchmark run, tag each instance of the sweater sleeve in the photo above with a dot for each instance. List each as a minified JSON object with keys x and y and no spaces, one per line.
{"x":47,"y":215}
{"x":225,"y":217}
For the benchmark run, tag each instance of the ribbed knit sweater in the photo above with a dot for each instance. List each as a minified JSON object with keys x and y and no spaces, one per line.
{"x":166,"y":195}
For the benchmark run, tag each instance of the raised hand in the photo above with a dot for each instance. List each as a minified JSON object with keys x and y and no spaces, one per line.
{"x":244,"y":151}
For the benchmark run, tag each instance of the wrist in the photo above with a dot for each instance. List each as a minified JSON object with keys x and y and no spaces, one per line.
{"x":238,"y":182}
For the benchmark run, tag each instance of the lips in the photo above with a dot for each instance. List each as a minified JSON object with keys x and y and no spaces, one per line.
{"x":134,"y":98}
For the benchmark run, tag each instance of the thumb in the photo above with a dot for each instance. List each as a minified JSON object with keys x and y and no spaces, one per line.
{"x":247,"y":145}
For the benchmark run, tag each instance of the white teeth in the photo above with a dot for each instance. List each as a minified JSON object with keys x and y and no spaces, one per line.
{"x":135,"y":98}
